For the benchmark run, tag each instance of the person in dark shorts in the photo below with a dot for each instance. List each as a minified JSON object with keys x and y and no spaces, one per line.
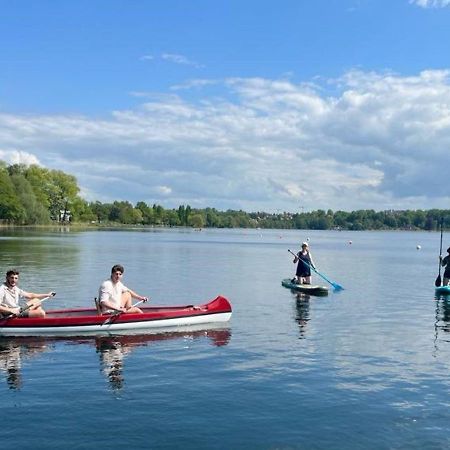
{"x":445,"y":262}
{"x":305,"y":262}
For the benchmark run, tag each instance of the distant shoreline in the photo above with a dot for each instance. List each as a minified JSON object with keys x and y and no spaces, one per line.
{"x":112,"y":226}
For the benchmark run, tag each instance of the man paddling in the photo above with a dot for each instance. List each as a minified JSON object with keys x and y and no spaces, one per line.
{"x":305,"y":262}
{"x":114,"y":296}
{"x":445,"y":262}
{"x":10,"y":295}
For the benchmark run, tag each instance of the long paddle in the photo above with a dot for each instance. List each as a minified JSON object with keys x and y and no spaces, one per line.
{"x":336,"y":286}
{"x":118,"y":313}
{"x":438,"y":281}
{"x":22,"y":310}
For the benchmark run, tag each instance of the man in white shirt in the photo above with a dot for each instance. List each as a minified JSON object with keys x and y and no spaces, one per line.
{"x":10,"y":295}
{"x":114,"y":296}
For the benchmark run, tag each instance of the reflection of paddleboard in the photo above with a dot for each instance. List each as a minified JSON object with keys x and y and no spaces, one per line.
{"x":307,"y":288}
{"x":443,"y":290}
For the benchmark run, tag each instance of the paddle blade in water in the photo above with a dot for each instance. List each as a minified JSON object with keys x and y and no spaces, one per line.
{"x":438,"y":282}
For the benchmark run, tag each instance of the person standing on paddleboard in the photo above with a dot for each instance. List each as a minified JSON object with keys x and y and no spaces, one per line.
{"x":305,"y":262}
{"x":445,"y":262}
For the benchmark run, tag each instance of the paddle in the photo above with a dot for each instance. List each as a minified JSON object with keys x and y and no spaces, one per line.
{"x":438,"y":281}
{"x":118,"y":313}
{"x":336,"y":286}
{"x":22,"y":310}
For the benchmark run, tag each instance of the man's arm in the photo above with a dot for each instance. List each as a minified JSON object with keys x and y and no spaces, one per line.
{"x":137,"y":296}
{"x":29,"y":295}
{"x":8,"y":310}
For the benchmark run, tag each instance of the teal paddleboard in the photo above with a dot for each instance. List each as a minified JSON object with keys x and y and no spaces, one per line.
{"x":442,"y":290}
{"x":306,"y":288}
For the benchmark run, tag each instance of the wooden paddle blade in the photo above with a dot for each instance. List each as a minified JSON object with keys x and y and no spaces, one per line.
{"x":438,"y":281}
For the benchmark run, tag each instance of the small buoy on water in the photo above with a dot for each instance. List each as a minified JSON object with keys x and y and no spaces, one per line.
{"x":350,"y":242}
{"x":418,"y":247}
{"x":307,"y":239}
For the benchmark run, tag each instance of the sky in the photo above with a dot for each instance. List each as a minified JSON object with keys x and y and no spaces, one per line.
{"x":286,"y":105}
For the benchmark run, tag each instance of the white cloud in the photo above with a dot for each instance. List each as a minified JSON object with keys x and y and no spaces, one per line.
{"x":179,"y":59}
{"x":172,"y":58}
{"x":431,"y":3}
{"x":164,"y":190}
{"x":14,"y":156}
{"x":197,"y":83}
{"x":381,"y":141}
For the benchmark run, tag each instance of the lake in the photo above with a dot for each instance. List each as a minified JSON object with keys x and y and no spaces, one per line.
{"x":367,"y":367}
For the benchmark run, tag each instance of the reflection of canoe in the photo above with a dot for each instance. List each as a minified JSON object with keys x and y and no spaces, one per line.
{"x":443,"y":290}
{"x":112,"y":349}
{"x":217,"y":333}
{"x":78,"y":322}
{"x":307,"y":288}
{"x":218,"y":337}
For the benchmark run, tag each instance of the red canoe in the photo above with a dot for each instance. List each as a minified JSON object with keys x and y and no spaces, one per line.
{"x":79,"y":322}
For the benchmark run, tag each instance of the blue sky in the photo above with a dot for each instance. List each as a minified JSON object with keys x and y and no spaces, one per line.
{"x":254,"y":105}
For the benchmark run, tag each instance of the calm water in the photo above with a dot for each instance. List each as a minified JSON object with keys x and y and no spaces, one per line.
{"x":364,"y":368}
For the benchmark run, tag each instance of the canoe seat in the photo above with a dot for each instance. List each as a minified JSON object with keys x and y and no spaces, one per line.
{"x":97,"y":305}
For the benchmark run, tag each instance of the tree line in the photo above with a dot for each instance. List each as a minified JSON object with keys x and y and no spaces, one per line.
{"x":32,"y":195}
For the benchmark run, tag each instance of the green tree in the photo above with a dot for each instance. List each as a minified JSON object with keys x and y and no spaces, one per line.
{"x":81,"y":211}
{"x":213,"y":218}
{"x":197,"y":220}
{"x":38,"y":179}
{"x":54,"y":189}
{"x":34,"y":212}
{"x":147,"y":213}
{"x":183,"y":214}
{"x":158,"y":214}
{"x":62,"y":191}
{"x":172,"y":219}
{"x":11,"y":210}
{"x":101,"y":211}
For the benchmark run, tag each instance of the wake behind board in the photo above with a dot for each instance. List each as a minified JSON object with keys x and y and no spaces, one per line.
{"x":442,"y":290}
{"x":306,"y":288}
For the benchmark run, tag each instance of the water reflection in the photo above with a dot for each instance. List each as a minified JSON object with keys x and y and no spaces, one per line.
{"x":302,"y":312}
{"x":442,"y":322}
{"x":12,"y":352}
{"x":35,"y":250}
{"x":112,"y":350}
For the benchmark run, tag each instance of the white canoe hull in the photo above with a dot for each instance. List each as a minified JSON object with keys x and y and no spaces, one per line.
{"x":116,"y":328}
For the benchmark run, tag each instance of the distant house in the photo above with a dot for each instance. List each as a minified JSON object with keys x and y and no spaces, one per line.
{"x":64,"y":215}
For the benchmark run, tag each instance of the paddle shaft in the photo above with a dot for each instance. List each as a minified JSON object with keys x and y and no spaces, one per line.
{"x":438,"y":281}
{"x":118,"y":313}
{"x":137,"y":303}
{"x":306,"y":262}
{"x":30,"y":306}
